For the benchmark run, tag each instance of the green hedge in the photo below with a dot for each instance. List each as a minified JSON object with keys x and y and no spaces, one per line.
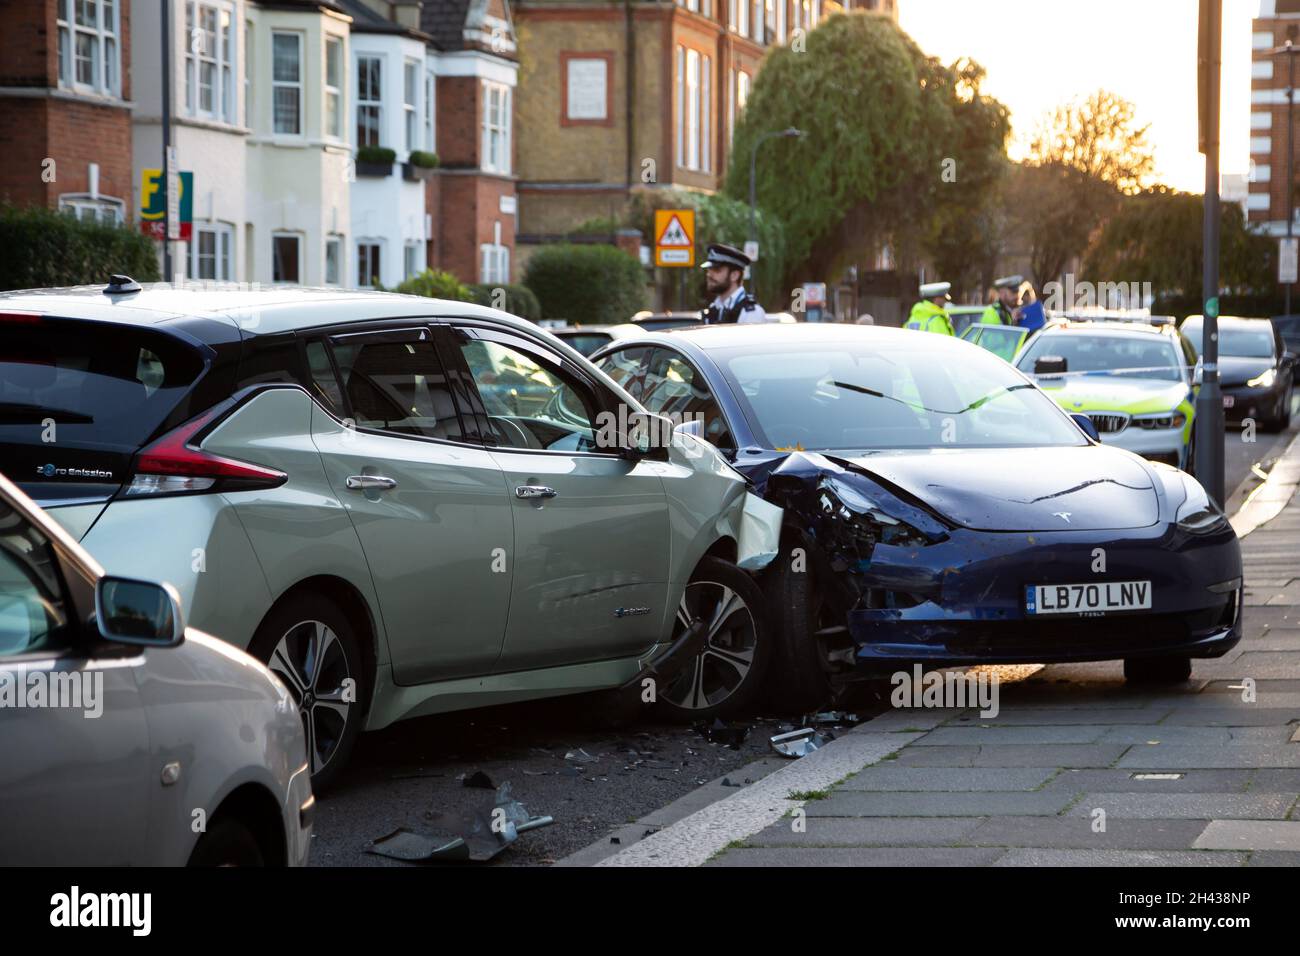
{"x":586,"y":284}
{"x":45,"y":249}
{"x":436,"y":284}
{"x":424,"y":160}
{"x":518,"y":300}
{"x":376,"y":154}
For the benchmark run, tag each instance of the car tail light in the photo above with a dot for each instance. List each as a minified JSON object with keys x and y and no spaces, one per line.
{"x":175,"y":465}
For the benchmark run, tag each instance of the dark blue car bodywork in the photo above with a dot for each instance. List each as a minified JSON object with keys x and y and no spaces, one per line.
{"x":921,"y":565}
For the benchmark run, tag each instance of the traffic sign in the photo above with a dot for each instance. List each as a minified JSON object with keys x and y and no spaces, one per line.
{"x":153,"y":203}
{"x":675,"y":237}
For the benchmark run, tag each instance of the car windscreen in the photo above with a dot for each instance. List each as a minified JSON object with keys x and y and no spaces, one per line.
{"x":1132,"y":356}
{"x":870,"y":395}
{"x":1236,"y":340}
{"x":89,"y":385}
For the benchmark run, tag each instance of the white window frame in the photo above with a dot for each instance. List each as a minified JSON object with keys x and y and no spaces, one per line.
{"x":496,"y":156}
{"x":335,"y":242}
{"x":365,"y":103}
{"x":494,"y":263}
{"x":106,"y":46}
{"x":430,"y":126}
{"x":221,"y":57}
{"x":296,"y":85}
{"x":411,"y":104}
{"x":223,"y":251}
{"x":297,"y":237}
{"x":410,"y":259}
{"x":374,"y":264}
{"x":334,"y":91}
{"x":248,"y":73}
{"x":80,"y":203}
{"x":694,"y":109}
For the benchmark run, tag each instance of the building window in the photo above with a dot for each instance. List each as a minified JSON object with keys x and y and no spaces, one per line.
{"x":89,"y":54}
{"x":496,"y":128}
{"x":410,"y":260}
{"x":494,"y":264}
{"x":209,"y":62}
{"x":101,"y":209}
{"x":367,"y":264}
{"x":248,"y":73}
{"x":410,"y":95}
{"x":694,"y":114}
{"x":756,"y":20}
{"x":286,"y":82}
{"x":738,"y":16}
{"x":333,"y":87}
{"x":210,"y":251}
{"x":286,"y":258}
{"x":369,"y":96}
{"x":333,"y":259}
{"x":429,"y":88}
{"x":698,"y":6}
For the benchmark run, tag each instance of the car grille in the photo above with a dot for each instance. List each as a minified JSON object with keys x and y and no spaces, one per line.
{"x":1109,"y":423}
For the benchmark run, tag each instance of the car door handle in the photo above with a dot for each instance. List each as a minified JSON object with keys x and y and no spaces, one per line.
{"x":367,"y":482}
{"x":534,"y":491}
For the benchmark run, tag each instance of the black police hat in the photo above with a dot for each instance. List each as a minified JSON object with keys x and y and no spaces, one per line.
{"x":720,"y":254}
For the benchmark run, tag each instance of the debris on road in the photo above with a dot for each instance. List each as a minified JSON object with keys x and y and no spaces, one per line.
{"x":478,"y":779}
{"x":799,"y":743}
{"x":729,"y":735}
{"x":470,"y":837}
{"x":837,"y":717}
{"x":579,"y":757}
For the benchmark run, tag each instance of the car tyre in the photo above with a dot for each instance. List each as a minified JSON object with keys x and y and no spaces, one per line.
{"x":227,"y":843}
{"x":800,"y":680}
{"x":312,"y":647}
{"x":1157,"y":670}
{"x":727,"y":676}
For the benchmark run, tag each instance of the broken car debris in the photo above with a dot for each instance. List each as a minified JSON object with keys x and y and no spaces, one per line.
{"x":471,"y":837}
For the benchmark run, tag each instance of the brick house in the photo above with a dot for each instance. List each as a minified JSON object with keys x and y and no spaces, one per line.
{"x":65,"y":105}
{"x":615,"y":97}
{"x":471,"y":200}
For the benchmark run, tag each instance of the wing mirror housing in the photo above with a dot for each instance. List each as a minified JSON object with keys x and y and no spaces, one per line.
{"x":142,"y":613}
{"x":647,"y":436}
{"x":1051,"y":365}
{"x":1086,"y":426}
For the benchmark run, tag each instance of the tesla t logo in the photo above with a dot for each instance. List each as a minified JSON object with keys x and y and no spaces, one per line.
{"x":1063,"y":515}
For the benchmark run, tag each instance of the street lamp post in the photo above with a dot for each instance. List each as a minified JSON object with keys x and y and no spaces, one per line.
{"x":1209,"y":400}
{"x":791,"y":133}
{"x":1290,"y":51}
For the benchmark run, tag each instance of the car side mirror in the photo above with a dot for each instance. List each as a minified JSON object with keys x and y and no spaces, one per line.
{"x":1051,"y":365}
{"x":1198,"y":374}
{"x":1289,"y":358}
{"x":647,"y":436}
{"x":693,"y":427}
{"x":1086,"y":426}
{"x":139,"y":612}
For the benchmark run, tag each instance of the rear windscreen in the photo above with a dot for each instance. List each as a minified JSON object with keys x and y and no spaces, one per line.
{"x":89,"y":385}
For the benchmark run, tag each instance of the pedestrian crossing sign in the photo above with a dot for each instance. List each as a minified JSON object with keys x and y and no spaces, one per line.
{"x":675,"y":237}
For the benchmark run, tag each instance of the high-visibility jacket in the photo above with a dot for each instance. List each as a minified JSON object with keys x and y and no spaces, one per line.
{"x":996,"y":314}
{"x":928,"y":317}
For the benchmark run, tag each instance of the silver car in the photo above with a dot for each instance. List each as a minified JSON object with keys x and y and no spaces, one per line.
{"x":404,"y":506}
{"x":126,"y":739}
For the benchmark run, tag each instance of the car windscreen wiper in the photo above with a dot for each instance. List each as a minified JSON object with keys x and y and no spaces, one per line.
{"x":862,"y":389}
{"x":21,"y":413}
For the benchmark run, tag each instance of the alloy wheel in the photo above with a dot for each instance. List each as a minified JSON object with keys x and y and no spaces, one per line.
{"x":309,"y":659}
{"x":731,"y":639}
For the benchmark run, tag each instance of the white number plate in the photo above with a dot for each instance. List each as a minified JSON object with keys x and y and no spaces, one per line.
{"x":1087,"y":598}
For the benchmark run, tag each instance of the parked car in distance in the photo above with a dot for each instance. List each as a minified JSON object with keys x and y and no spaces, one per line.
{"x":658,"y":321}
{"x":141,"y":725}
{"x":587,"y":338}
{"x":403,"y":505}
{"x":1289,"y":327}
{"x":1134,"y":380}
{"x":947,"y":511}
{"x":1004,"y":341}
{"x":1256,"y":369}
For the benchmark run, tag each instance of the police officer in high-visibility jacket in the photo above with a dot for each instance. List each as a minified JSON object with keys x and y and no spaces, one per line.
{"x":1000,"y":310}
{"x":930,"y":314}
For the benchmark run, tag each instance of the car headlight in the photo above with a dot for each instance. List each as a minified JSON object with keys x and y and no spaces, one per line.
{"x":1174,"y":419}
{"x":1197,"y":513}
{"x":1264,"y":380}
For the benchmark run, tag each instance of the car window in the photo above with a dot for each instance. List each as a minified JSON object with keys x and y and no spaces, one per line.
{"x":530,"y":400}
{"x":624,"y":367}
{"x":1002,"y":341}
{"x":587,"y":342}
{"x":325,"y":386}
{"x":397,"y":386}
{"x":1133,"y":356}
{"x":35,"y":615}
{"x":1250,"y":340}
{"x":674,"y":387}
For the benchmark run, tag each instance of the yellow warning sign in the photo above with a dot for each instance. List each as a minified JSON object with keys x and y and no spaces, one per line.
{"x":674,"y":237}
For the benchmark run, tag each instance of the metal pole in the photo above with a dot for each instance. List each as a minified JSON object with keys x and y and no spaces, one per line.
{"x":1290,"y":152}
{"x":166,"y":132}
{"x":1209,"y":401}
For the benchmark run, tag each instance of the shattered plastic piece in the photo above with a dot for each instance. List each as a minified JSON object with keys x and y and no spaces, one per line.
{"x":579,"y":756}
{"x":478,"y":779}
{"x":471,"y":837}
{"x":830,"y":717}
{"x":730,"y":735}
{"x":799,"y":743}
{"x":726,"y":782}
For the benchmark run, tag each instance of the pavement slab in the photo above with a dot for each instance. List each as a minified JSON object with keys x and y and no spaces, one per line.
{"x":1210,"y":757}
{"x":867,"y":856}
{"x":1190,"y":806}
{"x":889,"y":776}
{"x":867,"y":831}
{"x":1014,"y":755}
{"x":972,"y":803}
{"x":1077,"y":833}
{"x":1135,"y":858}
{"x":1250,"y":835}
{"x":1190,"y":781}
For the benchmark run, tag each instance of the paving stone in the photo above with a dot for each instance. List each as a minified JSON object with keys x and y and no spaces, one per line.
{"x":1242,"y":715}
{"x":1068,"y":832}
{"x":1273,"y":780}
{"x":1013,"y":755}
{"x":906,"y":719}
{"x":1143,"y":858}
{"x":1185,"y":734}
{"x":1120,"y":781}
{"x":975,"y":803}
{"x":1016,"y":716}
{"x":994,"y":735}
{"x":1289,"y":858}
{"x":1190,"y":806}
{"x":867,"y":831}
{"x":844,"y":856}
{"x":888,"y":776}
{"x":1250,"y":835}
{"x":1209,"y":757}
{"x":1272,"y":664}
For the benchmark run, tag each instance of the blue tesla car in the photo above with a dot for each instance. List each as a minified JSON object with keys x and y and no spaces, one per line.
{"x":939,"y":508}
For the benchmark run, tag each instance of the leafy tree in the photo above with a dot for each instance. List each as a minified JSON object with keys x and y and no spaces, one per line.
{"x":595,"y":284}
{"x":518,"y":299}
{"x":1099,"y":137}
{"x":880,"y":119}
{"x":47,"y":249}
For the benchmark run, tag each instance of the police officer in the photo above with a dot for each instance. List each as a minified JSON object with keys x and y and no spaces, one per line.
{"x":1000,"y":311}
{"x":930,"y":314}
{"x":724,"y":270}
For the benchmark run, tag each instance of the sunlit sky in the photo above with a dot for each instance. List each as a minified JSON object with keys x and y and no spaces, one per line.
{"x":1040,"y":53}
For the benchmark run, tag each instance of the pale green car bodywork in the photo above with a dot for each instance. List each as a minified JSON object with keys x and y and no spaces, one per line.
{"x":474,"y":596}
